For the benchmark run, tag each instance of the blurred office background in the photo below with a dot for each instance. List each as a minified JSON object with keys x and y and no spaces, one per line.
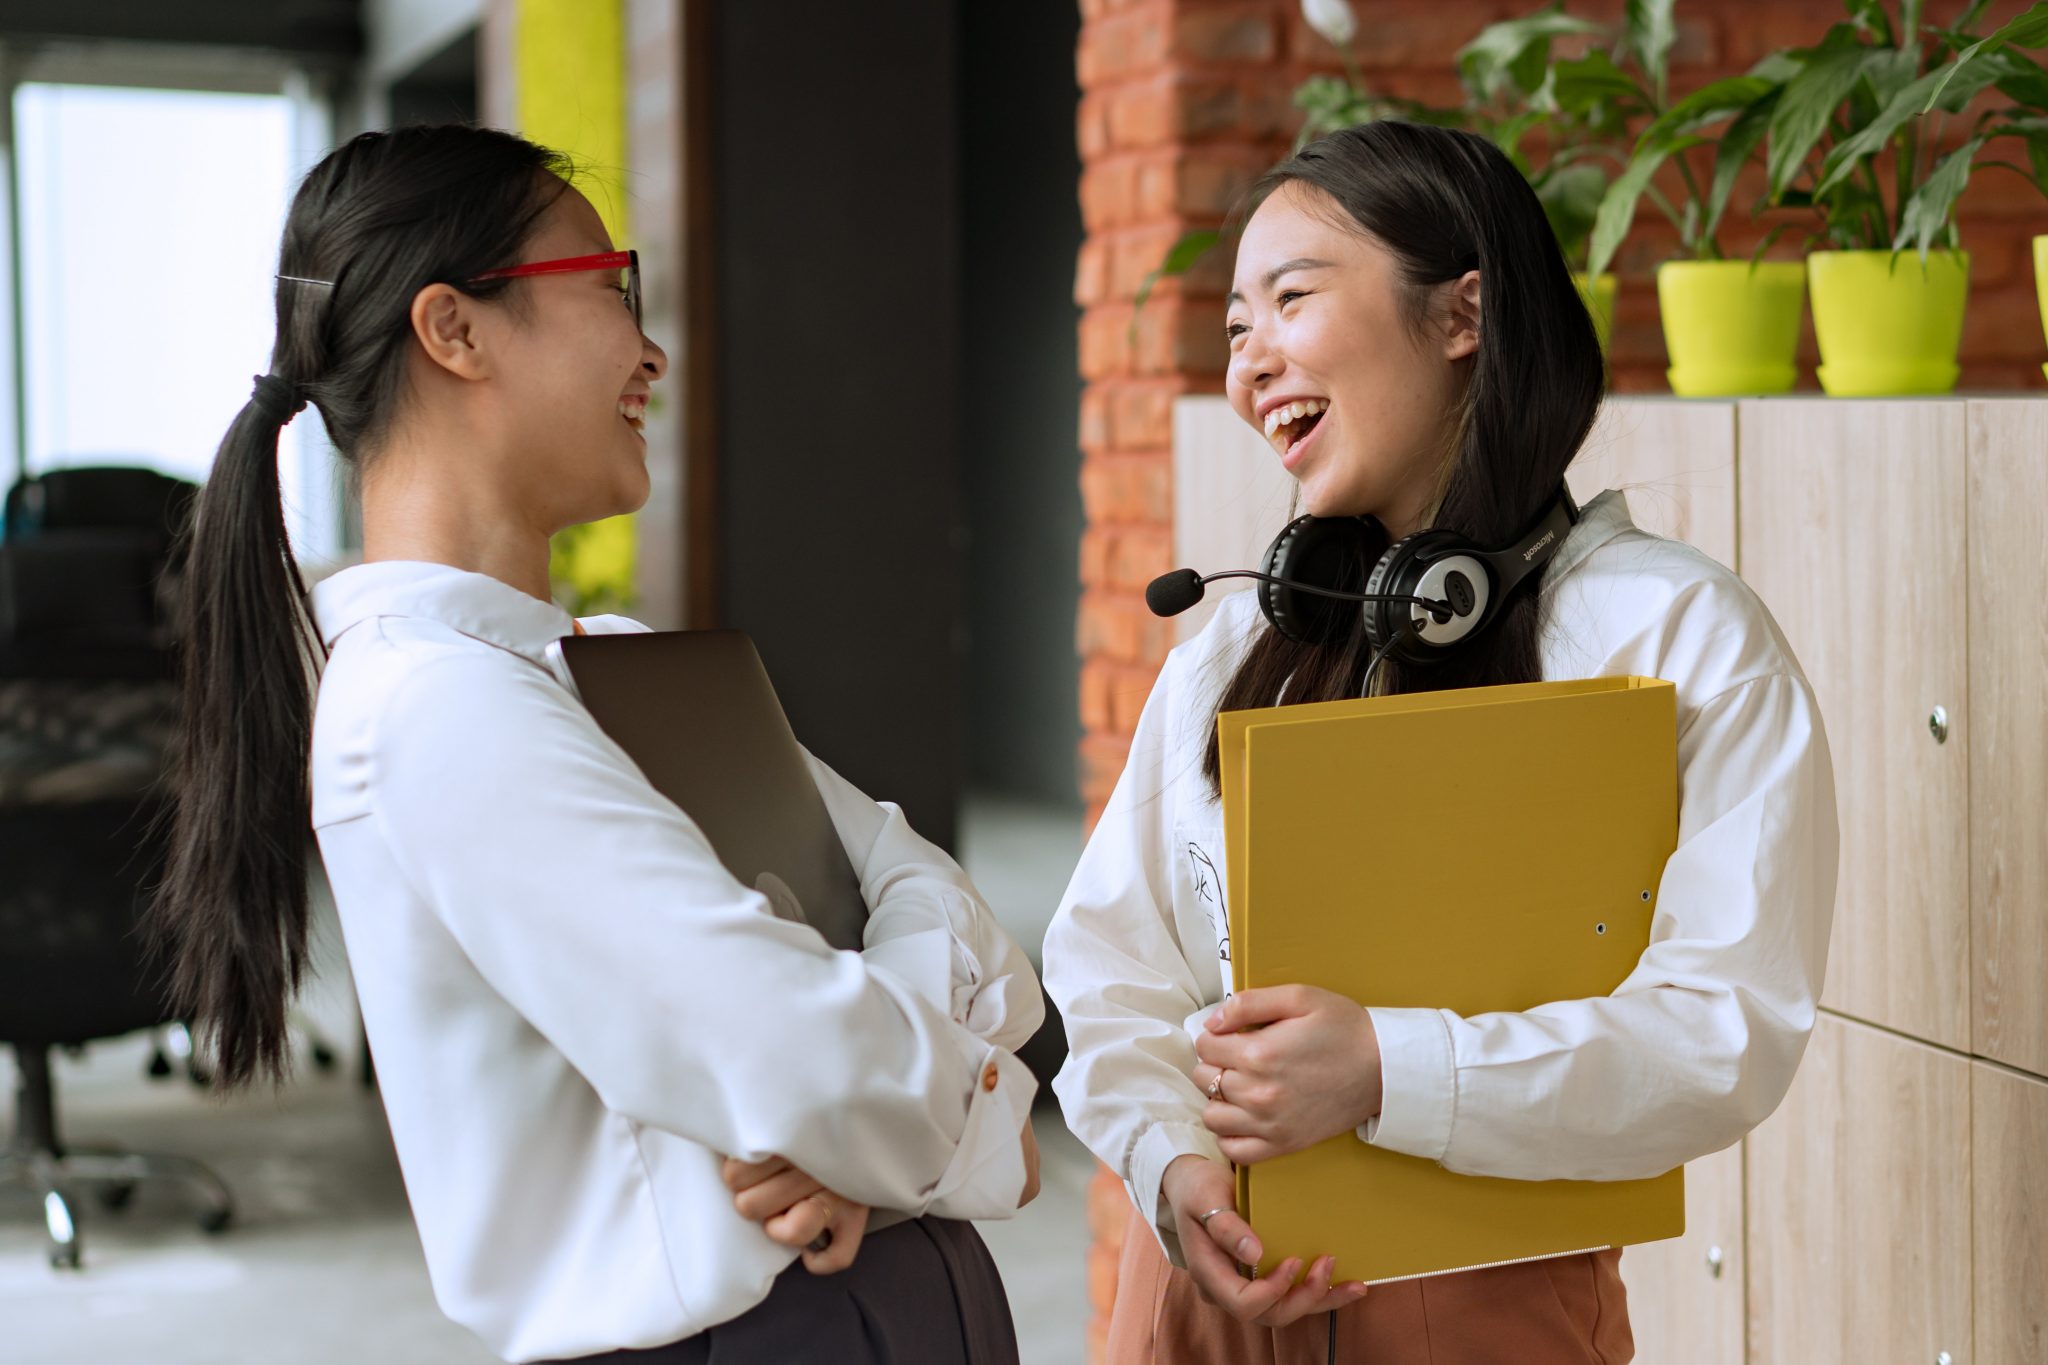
{"x":884,"y":493}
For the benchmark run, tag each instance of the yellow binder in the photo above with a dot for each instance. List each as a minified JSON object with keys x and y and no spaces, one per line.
{"x":1476,"y":850}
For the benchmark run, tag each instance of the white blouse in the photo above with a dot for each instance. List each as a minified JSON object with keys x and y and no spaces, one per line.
{"x":1694,"y":1049}
{"x":577,"y":1012}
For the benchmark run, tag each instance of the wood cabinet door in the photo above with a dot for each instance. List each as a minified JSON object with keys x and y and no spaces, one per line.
{"x":2009,"y":1173}
{"x":1685,"y":1295}
{"x":1858,"y":1205}
{"x":1852,"y":527}
{"x":2008,"y":496}
{"x":1674,"y":460}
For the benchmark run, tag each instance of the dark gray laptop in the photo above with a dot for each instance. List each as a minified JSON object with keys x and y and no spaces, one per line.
{"x":696,"y":711}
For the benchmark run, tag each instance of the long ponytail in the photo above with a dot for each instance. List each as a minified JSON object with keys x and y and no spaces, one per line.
{"x":379,"y":219}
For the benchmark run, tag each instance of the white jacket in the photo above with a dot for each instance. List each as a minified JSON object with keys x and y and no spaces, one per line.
{"x":577,"y":1012}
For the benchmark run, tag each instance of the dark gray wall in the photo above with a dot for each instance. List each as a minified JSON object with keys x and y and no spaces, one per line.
{"x":1020,"y":459}
{"x":838,"y":257}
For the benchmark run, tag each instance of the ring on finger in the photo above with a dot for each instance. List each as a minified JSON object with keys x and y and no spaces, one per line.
{"x":823,"y":1240}
{"x":1216,"y":1087}
{"x":1203,"y":1218}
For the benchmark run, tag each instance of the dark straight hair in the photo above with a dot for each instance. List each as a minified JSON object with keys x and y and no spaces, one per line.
{"x":375,"y":222}
{"x":1444,"y":202}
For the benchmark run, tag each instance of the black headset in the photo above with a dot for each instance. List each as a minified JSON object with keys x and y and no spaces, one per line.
{"x":1418,"y":596}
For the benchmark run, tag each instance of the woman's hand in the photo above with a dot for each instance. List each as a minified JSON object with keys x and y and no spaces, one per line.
{"x":796,"y":1211}
{"x":1310,"y":1069}
{"x":1194,"y":1186}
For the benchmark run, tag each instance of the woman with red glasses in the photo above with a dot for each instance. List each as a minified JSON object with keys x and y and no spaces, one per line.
{"x":637,"y":1114}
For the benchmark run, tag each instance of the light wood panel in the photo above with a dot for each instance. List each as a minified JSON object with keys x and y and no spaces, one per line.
{"x":1858,"y":1205}
{"x":1852,"y":531}
{"x":1674,"y":460}
{"x":1685,"y":1296}
{"x":2008,"y":501}
{"x":1230,"y":498}
{"x":2009,"y":1143}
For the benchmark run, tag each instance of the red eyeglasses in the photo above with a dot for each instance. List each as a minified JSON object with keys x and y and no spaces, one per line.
{"x":628,"y":261}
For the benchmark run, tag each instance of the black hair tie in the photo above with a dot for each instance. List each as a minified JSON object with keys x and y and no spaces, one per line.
{"x":277,"y":399}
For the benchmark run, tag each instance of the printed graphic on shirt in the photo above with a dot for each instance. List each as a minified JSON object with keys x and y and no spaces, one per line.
{"x":1209,"y":891}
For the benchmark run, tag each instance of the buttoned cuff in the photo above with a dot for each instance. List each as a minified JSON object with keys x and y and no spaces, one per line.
{"x":1161,"y":1145}
{"x":1418,"y":1084}
{"x":985,"y":1179}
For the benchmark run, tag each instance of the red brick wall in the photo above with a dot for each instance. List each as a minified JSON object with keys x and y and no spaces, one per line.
{"x":1183,"y":103}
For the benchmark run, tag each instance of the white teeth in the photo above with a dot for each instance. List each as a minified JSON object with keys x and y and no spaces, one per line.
{"x":1289,"y":413}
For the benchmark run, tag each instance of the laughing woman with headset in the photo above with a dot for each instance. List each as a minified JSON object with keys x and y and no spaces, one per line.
{"x":1405,"y":335}
{"x":637,"y":1114}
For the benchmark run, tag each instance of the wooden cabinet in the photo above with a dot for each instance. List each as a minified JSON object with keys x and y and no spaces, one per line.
{"x":2009,"y":1143}
{"x":1859,"y":1206}
{"x":1675,"y":463}
{"x":1853,"y":533}
{"x":2008,"y":732}
{"x":1686,"y":1295}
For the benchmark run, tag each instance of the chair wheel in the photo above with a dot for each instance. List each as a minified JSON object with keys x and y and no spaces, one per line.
{"x":215,"y":1220}
{"x":116,"y":1197}
{"x":64,"y":1258}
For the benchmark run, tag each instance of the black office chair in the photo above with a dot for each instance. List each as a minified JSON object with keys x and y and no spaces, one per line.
{"x":87,"y":701}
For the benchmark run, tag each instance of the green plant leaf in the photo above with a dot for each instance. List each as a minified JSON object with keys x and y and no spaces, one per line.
{"x":1180,"y":259}
{"x":1926,"y":215}
{"x":1570,"y":196}
{"x":2019,"y":78}
{"x":1591,"y":82}
{"x":1648,"y":30}
{"x":1809,"y":101}
{"x":1870,"y":16}
{"x":2028,"y":30}
{"x":1516,"y":50}
{"x":1737,"y":149}
{"x":1708,"y":104}
{"x":1845,"y":158}
{"x":1618,"y":206}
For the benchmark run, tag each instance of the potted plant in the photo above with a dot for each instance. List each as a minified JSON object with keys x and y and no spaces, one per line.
{"x":2041,"y":284}
{"x":1729,"y":326}
{"x":1857,"y":136}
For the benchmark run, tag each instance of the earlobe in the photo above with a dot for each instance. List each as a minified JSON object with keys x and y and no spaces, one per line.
{"x":443,"y":321}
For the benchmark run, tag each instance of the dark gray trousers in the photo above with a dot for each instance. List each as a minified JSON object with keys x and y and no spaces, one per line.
{"x":924,"y":1292}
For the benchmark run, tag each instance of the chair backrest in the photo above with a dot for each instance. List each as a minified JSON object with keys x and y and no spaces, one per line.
{"x":87,"y":704}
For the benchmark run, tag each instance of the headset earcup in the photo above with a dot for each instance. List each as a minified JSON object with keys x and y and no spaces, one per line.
{"x":1330,"y":552}
{"x":1398,"y":573}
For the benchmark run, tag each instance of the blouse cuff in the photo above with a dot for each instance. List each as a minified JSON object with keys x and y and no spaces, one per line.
{"x":1162,"y":1144}
{"x":1418,"y":1084}
{"x":986,"y":1176}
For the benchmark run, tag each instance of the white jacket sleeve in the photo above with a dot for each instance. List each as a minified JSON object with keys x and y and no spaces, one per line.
{"x":929,"y":927}
{"x":928,"y":924}
{"x":1124,"y":984}
{"x":1699,"y":1044}
{"x":599,"y":912}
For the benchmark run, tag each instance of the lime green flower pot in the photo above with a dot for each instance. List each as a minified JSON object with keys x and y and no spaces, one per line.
{"x":1599,"y":302}
{"x":2041,"y":283}
{"x":1729,"y":327}
{"x":1888,"y":325}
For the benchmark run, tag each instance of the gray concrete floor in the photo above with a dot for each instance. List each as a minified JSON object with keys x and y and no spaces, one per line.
{"x":322,"y":1266}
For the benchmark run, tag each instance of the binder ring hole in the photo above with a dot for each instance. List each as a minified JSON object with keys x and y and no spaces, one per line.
{"x":1599,"y":928}
{"x":1646,"y":898}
